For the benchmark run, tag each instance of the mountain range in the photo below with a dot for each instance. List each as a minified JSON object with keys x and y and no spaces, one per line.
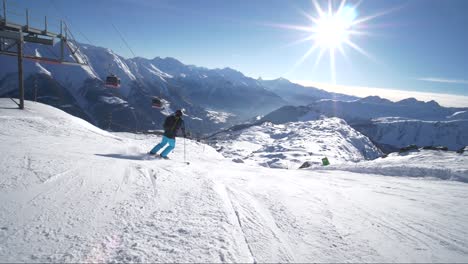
{"x":216,"y":99}
{"x":390,"y":125}
{"x":212,"y":98}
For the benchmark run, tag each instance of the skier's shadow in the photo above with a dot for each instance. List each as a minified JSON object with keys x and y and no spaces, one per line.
{"x":124,"y":156}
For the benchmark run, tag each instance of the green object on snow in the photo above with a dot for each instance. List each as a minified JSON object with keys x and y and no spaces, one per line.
{"x":325,"y":161}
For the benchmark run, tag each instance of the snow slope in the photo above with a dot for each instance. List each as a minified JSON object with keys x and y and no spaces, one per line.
{"x":73,"y":193}
{"x":290,"y":145}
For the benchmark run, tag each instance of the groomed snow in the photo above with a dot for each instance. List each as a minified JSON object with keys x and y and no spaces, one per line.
{"x":71,"y":192}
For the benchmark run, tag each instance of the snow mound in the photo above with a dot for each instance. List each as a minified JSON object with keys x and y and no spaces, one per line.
{"x":290,"y":145}
{"x":445,"y":165}
{"x":47,"y":120}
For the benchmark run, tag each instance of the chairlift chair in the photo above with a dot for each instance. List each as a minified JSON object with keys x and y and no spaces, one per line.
{"x":156,"y":102}
{"x":112,"y":81}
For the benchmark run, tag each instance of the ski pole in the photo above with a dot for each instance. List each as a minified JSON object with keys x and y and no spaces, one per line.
{"x":185,"y":161}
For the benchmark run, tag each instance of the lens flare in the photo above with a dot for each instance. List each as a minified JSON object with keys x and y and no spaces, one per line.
{"x":332,"y":30}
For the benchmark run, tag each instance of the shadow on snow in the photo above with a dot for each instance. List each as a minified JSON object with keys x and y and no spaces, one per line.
{"x":126,"y":156}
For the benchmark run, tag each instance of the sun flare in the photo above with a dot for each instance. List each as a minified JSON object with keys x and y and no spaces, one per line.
{"x":331,"y":30}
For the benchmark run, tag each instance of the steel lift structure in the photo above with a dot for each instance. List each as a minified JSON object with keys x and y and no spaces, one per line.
{"x":13,"y":36}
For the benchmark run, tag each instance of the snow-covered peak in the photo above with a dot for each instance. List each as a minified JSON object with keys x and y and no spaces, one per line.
{"x":123,"y":66}
{"x":230,"y":72}
{"x":170,"y":65}
{"x":283,"y":80}
{"x":408,"y":101}
{"x":414,"y":101}
{"x":433,"y":103}
{"x":377,"y":100}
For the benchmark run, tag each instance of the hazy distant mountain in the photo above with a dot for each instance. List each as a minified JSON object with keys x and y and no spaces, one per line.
{"x":297,"y":94}
{"x":367,"y":108}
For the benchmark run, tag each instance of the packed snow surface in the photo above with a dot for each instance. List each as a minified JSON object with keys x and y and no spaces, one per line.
{"x":290,"y":145}
{"x":71,"y":192}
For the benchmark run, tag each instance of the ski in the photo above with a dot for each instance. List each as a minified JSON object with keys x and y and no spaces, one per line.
{"x":158,"y":157}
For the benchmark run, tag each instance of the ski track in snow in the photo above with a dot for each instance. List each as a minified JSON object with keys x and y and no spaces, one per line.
{"x":83,"y":195}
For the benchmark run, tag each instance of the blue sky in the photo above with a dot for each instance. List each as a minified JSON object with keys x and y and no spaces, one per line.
{"x":418,"y":45}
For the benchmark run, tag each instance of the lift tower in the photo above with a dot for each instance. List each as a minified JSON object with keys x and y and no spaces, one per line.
{"x":14,"y":35}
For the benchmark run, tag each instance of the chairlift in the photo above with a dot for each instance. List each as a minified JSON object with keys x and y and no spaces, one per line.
{"x":156,"y":102}
{"x":112,"y":81}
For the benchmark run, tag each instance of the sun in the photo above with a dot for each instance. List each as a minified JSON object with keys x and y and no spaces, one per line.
{"x":331,"y":30}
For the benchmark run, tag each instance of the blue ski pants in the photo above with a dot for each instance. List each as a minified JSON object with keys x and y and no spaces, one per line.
{"x":168,"y":149}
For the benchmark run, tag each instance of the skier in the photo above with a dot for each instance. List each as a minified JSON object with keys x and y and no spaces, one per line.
{"x":172,"y":125}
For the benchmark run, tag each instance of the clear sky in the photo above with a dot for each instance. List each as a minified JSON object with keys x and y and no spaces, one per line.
{"x":418,"y":45}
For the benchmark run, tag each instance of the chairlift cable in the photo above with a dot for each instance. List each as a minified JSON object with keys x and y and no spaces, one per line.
{"x":156,"y":101}
{"x":123,"y":39}
{"x":69,"y":22}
